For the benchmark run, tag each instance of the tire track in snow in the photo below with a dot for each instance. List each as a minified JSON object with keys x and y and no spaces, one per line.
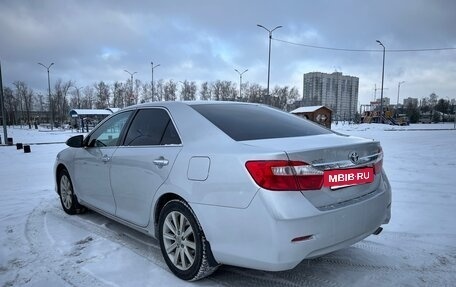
{"x":249,"y":277}
{"x":435,"y":267}
{"x":48,"y":258}
{"x":315,"y":272}
{"x":375,"y":247}
{"x":144,"y":246}
{"x":147,"y":248}
{"x":101,"y":228}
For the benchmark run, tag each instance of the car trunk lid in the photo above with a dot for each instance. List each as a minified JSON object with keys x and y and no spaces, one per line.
{"x":332,"y":153}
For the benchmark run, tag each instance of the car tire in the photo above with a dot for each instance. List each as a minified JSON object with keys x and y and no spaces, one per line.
{"x":68,"y":199}
{"x":182,"y":242}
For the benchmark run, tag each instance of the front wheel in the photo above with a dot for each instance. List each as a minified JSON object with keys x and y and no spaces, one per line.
{"x":182,"y":242}
{"x":68,"y":199}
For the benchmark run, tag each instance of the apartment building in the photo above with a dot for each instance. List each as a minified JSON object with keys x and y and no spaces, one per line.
{"x":336,"y":91}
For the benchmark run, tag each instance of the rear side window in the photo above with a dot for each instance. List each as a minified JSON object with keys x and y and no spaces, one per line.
{"x":252,"y":122}
{"x":152,"y":127}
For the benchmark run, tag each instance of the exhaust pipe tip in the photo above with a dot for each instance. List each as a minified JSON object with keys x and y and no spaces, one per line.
{"x":378,"y":231}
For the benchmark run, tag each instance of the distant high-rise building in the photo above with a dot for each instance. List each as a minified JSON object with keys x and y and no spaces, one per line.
{"x":386,"y":101}
{"x":335,"y":91}
{"x":411,"y":101}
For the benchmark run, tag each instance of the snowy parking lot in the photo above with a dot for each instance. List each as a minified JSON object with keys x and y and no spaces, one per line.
{"x":42,"y":246}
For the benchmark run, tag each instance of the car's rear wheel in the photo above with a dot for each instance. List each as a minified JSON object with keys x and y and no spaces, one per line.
{"x":68,"y":199}
{"x":182,"y":242}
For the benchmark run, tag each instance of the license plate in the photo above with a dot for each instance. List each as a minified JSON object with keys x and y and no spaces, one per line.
{"x":348,"y":177}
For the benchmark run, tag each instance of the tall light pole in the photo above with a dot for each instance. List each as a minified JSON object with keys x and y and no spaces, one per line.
{"x":131,"y":78}
{"x":383,"y":77}
{"x":183,"y":91}
{"x":153,"y":67}
{"x":49,"y":91}
{"x":269,"y":58}
{"x":398,"y":91}
{"x":240,"y":81}
{"x":2,"y":107}
{"x":454,"y":115}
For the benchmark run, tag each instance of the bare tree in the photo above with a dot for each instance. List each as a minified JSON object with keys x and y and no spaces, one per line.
{"x":188,"y":91}
{"x":102,"y":95}
{"x":25,"y":96}
{"x":292,"y":97}
{"x":159,"y":91}
{"x":87,"y":100}
{"x":11,"y":105}
{"x":433,"y":98}
{"x":205,"y":92}
{"x":118,"y":95}
{"x":243,"y":97}
{"x":229,"y":91}
{"x":137,"y":87}
{"x":75,"y":101}
{"x":169,"y":90}
{"x":129,"y":96}
{"x":216,"y":88}
{"x":132,"y":97}
{"x":192,"y":91}
{"x":60,"y":102}
{"x":146,"y":93}
{"x":254,"y":93}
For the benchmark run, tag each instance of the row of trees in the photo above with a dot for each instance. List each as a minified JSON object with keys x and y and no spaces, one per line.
{"x":430,"y":109}
{"x":22,"y":104}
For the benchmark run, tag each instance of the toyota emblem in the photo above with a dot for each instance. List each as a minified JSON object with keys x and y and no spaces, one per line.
{"x":354,"y":157}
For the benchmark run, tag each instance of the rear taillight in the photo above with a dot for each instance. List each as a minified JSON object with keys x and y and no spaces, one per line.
{"x":282,"y":175}
{"x":379,"y":164}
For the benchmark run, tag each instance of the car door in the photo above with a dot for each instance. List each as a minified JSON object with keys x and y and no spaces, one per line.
{"x":92,"y":163}
{"x":142,"y":163}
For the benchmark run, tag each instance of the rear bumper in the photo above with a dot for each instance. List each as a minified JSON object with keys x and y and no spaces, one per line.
{"x":260,"y":236}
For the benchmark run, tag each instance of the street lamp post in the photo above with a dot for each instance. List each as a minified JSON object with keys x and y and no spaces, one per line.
{"x":398,"y":91}
{"x":131,"y":78}
{"x":447,"y":110}
{"x":383,"y":77}
{"x":183,"y":96}
{"x":153,"y":67}
{"x":2,"y":107}
{"x":49,"y":91}
{"x":240,"y":81}
{"x":269,"y":57}
{"x":454,"y":116}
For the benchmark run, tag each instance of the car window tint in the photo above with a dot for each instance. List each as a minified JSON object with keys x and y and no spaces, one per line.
{"x":251,"y":122}
{"x":151,"y":127}
{"x":170,"y":136}
{"x":108,"y":133}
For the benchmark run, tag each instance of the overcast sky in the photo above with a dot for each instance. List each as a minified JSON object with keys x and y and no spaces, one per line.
{"x":206,"y":40}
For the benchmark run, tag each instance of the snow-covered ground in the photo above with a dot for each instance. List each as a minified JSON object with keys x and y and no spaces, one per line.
{"x":42,"y":246}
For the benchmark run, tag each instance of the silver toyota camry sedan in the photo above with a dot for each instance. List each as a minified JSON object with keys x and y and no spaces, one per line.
{"x":227,"y":183}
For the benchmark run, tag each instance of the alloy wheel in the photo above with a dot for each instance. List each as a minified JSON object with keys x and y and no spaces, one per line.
{"x":66,"y":191}
{"x":179,"y":240}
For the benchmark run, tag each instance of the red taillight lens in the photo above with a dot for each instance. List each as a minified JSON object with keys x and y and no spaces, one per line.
{"x":284,"y":175}
{"x":378,"y":166}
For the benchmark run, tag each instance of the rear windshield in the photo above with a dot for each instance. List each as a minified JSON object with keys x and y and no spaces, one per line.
{"x":252,"y":122}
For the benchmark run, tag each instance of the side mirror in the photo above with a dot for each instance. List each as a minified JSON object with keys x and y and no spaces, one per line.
{"x":75,"y":141}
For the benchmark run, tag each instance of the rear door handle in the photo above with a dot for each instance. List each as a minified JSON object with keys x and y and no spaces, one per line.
{"x":161,"y":162}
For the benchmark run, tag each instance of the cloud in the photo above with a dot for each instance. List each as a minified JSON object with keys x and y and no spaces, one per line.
{"x":206,"y":40}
